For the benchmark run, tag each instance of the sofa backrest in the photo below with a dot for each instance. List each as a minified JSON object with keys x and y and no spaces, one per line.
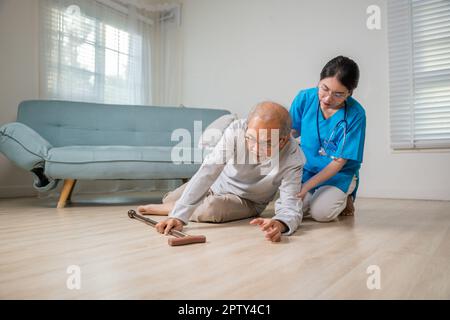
{"x":66,"y":123}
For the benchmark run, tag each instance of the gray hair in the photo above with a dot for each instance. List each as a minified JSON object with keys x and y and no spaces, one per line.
{"x":269,"y":110}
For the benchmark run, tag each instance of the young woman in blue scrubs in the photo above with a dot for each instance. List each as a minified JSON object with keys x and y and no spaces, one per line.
{"x":331,"y":125}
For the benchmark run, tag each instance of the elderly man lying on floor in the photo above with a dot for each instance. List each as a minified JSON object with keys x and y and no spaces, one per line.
{"x":254,"y":159}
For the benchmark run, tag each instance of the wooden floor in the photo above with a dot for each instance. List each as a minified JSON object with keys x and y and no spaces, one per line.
{"x":124,"y":259}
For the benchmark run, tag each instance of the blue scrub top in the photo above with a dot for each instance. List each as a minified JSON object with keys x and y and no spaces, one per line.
{"x":304,"y":120}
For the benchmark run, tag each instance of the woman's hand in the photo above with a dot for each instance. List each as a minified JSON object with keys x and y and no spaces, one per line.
{"x":326,"y":173}
{"x":302,"y":193}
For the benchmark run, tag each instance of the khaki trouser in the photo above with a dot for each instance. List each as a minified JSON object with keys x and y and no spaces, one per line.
{"x":327,"y":202}
{"x":216,"y":208}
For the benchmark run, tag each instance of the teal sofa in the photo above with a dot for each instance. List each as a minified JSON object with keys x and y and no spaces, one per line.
{"x":70,"y":141}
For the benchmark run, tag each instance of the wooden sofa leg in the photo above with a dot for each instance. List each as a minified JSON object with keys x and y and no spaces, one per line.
{"x":69,"y":198}
{"x":66,"y":193}
{"x":184,"y":180}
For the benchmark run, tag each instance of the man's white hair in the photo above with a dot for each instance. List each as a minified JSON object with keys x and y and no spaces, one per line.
{"x":269,"y":111}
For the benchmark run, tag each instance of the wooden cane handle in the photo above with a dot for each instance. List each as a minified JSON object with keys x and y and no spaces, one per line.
{"x":186,"y":240}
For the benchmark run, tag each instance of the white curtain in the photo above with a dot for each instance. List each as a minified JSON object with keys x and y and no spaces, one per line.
{"x":167,"y":57}
{"x":111,"y":51}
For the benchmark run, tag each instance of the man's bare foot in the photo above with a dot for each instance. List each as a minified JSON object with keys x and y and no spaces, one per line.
{"x":156,"y":209}
{"x":350,"y":208}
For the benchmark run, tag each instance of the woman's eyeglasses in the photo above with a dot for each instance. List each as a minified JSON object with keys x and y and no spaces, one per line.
{"x":338,"y":95}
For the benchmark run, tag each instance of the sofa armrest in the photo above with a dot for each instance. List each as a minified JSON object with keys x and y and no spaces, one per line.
{"x":28,"y":150}
{"x":22,"y":145}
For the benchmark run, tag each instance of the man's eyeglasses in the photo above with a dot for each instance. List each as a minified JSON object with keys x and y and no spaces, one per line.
{"x":265,"y":144}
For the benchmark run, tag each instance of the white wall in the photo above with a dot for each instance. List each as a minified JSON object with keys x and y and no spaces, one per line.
{"x":238,"y":52}
{"x":19,"y":73}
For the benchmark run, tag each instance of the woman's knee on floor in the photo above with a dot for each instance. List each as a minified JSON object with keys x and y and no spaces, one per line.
{"x":327,"y":203}
{"x":323,"y":214}
{"x":326,"y":210}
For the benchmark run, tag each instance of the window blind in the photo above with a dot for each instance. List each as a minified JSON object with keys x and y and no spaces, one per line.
{"x":419,"y":73}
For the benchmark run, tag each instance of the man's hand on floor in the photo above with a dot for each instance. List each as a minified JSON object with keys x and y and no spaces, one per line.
{"x":272,"y":228}
{"x":166,"y":225}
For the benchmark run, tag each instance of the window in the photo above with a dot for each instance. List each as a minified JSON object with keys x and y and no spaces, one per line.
{"x":419,"y":73}
{"x":92,"y":52}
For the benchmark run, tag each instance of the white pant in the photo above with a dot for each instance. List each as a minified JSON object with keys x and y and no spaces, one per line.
{"x":327,"y":202}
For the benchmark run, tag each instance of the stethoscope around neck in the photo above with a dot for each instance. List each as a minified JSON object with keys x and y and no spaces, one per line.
{"x":328,"y":143}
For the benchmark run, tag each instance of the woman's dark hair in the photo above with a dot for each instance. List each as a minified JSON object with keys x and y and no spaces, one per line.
{"x":344,"y":69}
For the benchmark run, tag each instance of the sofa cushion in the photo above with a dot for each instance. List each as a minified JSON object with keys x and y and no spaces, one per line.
{"x":87,"y":154}
{"x":122,"y":162}
{"x":67,"y":123}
